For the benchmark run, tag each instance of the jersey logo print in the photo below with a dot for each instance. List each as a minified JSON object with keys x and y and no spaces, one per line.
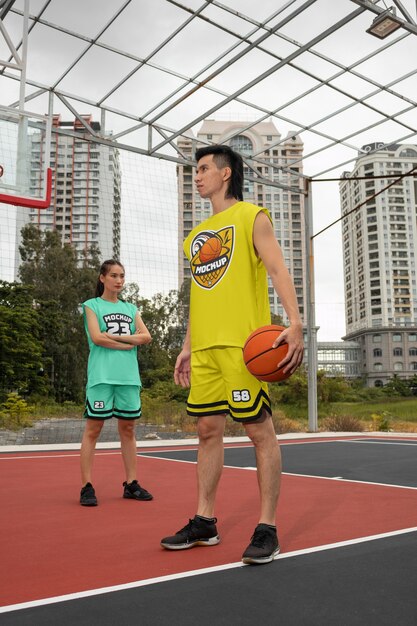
{"x":211,"y":254}
{"x":118,"y":323}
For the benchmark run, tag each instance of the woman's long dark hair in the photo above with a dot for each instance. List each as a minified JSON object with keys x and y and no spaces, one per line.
{"x":105,"y":269}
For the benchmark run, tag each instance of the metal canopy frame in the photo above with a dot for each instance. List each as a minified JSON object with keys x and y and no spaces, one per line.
{"x":261,"y":36}
{"x":307,"y":65}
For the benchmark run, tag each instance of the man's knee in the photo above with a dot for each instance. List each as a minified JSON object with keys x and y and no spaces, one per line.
{"x":210,"y":427}
{"x":262,"y":431}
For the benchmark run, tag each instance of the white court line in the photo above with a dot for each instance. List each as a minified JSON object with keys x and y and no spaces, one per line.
{"x":54,"y":456}
{"x":395,"y":442}
{"x":162,"y":458}
{"x":333,"y":478}
{"x":348,"y":480}
{"x":187,"y":574}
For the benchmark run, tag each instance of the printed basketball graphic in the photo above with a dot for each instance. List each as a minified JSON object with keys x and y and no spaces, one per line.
{"x":211,"y":253}
{"x":210,"y":250}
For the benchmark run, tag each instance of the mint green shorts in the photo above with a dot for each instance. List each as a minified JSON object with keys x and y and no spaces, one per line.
{"x":105,"y":401}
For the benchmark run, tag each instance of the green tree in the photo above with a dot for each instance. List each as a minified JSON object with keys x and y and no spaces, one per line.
{"x":412,"y":385}
{"x":293,"y":391}
{"x":397,"y":387}
{"x":166,"y":317}
{"x":21,"y":348}
{"x":60,"y":282}
{"x":333,"y":388}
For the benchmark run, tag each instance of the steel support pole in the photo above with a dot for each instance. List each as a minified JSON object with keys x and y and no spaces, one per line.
{"x":311,"y":314}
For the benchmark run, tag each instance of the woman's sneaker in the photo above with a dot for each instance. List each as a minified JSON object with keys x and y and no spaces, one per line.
{"x":134,"y":491}
{"x":197,"y":532}
{"x":263,"y":545}
{"x":88,"y":495}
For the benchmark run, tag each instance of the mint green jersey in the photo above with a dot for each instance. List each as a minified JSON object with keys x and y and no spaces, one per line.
{"x":105,"y":365}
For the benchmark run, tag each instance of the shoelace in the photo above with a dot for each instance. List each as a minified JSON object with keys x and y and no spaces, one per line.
{"x":259,"y":538}
{"x":188,"y":528}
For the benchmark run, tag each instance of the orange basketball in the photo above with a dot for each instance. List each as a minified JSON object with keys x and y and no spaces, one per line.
{"x":261,"y":358}
{"x":210,"y":249}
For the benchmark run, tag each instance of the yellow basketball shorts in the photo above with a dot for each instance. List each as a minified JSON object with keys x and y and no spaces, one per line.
{"x":221,"y":383}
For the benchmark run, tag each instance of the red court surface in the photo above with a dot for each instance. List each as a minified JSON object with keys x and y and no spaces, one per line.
{"x":51,"y":546}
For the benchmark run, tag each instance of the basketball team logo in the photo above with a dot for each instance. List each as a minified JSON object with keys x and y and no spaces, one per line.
{"x":211,"y":253}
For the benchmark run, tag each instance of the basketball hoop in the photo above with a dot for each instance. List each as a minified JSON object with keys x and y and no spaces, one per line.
{"x":25,"y":176}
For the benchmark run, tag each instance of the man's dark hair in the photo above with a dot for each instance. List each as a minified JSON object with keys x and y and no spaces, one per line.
{"x":223,"y":156}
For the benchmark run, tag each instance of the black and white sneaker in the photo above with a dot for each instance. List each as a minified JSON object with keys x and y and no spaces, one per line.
{"x":134,"y":491}
{"x":88,"y":495}
{"x":263,"y":546}
{"x":198,"y":532}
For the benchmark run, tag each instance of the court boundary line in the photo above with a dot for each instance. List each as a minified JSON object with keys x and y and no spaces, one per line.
{"x":153,"y":455}
{"x":314,"y":476}
{"x":379,"y":443}
{"x":288,"y":438}
{"x":187,"y":574}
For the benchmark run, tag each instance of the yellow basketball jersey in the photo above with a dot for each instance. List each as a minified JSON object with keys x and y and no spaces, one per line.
{"x":229,"y":286}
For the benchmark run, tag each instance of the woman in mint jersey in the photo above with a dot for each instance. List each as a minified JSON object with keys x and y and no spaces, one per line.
{"x":114,"y":330}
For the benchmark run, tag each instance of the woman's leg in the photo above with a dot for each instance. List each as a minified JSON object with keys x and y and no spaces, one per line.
{"x":91,"y":433}
{"x":127,"y":434}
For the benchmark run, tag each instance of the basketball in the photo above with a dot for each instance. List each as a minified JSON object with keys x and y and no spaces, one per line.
{"x":210,"y":249}
{"x":261,"y":358}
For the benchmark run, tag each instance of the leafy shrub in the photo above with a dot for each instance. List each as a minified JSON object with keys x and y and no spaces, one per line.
{"x":381,"y":421}
{"x":14,"y":412}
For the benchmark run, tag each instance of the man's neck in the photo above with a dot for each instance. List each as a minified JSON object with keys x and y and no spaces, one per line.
{"x":220,"y":204}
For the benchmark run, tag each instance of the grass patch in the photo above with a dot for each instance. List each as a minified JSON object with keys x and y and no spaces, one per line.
{"x":397,"y":414}
{"x":401,"y":410}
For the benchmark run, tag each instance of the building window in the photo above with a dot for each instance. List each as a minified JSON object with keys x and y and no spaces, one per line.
{"x":376,"y":338}
{"x":398,"y":366}
{"x":413,"y":366}
{"x":378,"y":367}
{"x":377,"y":352}
{"x":379,"y":383}
{"x":408,"y":152}
{"x":241,"y":144}
{"x":412,"y":352}
{"x":412,"y":337}
{"x":396,"y":337}
{"x":398,"y":351}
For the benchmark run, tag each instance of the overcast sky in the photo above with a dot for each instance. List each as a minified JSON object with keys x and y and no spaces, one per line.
{"x":331,"y":128}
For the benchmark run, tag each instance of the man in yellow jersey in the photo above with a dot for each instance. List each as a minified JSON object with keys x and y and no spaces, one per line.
{"x":230,"y":255}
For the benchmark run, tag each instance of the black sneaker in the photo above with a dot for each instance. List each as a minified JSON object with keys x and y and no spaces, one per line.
{"x":88,"y":495}
{"x":263,"y":545}
{"x":135,"y":492}
{"x":196,"y":533}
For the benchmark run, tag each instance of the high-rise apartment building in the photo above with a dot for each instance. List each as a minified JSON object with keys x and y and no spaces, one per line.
{"x":276,"y":160}
{"x":379,"y":246}
{"x":86,"y":191}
